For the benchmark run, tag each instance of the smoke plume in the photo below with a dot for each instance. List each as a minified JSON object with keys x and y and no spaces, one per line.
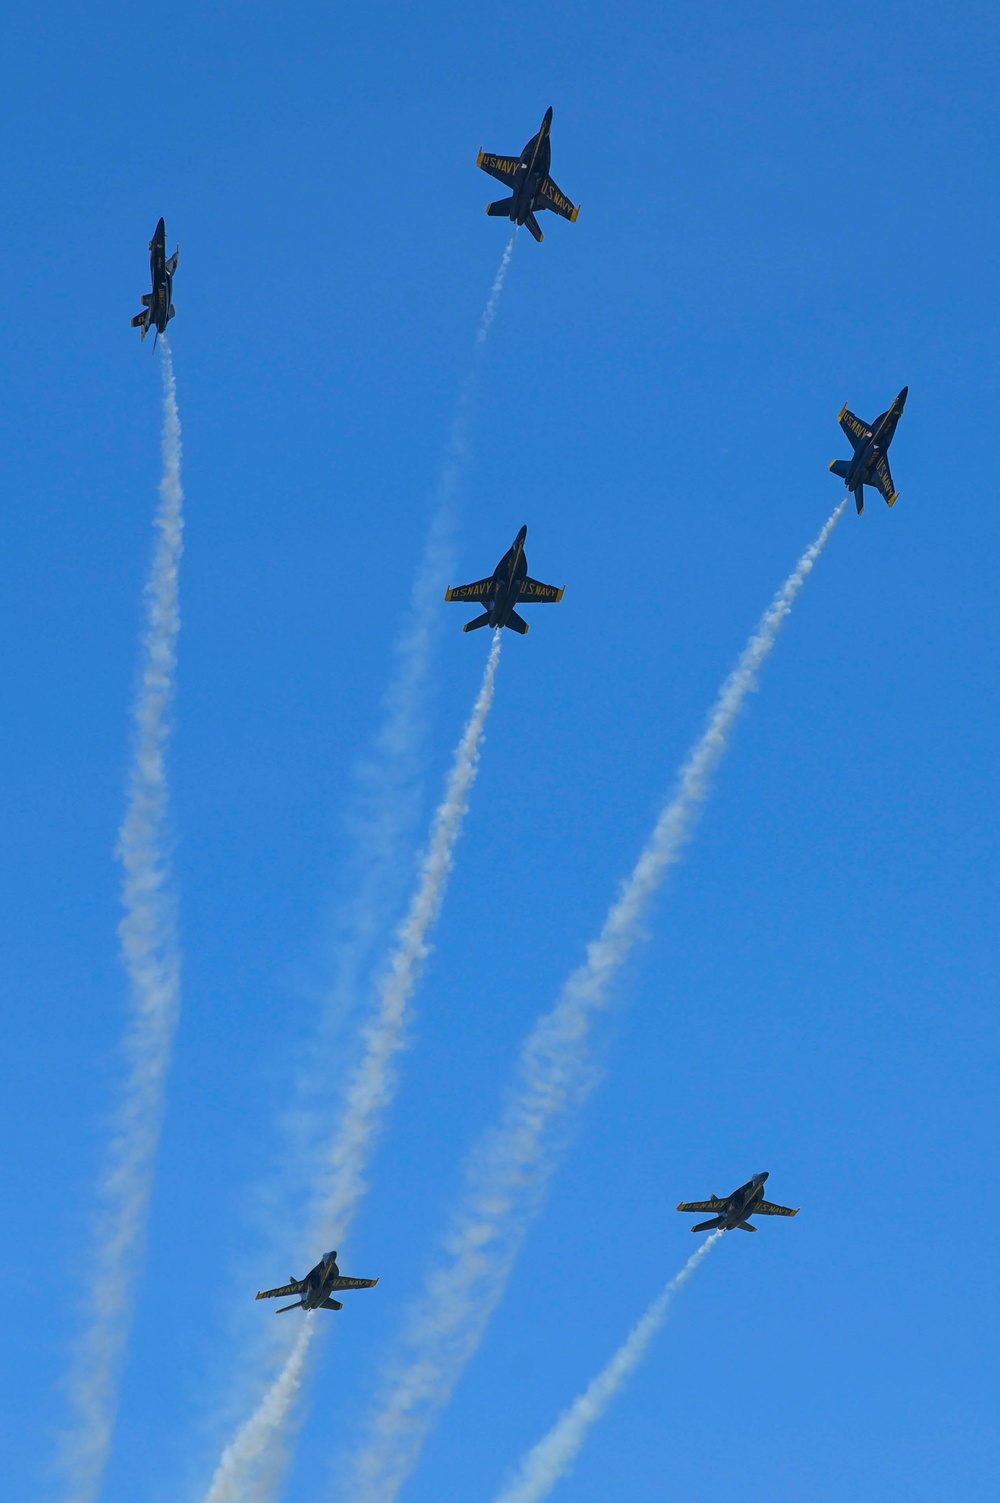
{"x":508,"y":1173}
{"x":369,"y":1092}
{"x":554,"y":1454}
{"x":151,"y":957}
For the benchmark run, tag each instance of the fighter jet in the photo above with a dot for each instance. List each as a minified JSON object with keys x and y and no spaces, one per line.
{"x":157,"y":309}
{"x":528,"y":176}
{"x":316,"y":1289}
{"x":870,"y":465}
{"x":509,"y":585}
{"x":735,"y":1210}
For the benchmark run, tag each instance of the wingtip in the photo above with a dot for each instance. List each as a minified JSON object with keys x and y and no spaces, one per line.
{"x":562,"y":591}
{"x":840,"y":416}
{"x":479,"y":159}
{"x":832,"y":463}
{"x":575,"y":214}
{"x":258,"y":1295}
{"x":447,"y":594}
{"x":893,"y":499}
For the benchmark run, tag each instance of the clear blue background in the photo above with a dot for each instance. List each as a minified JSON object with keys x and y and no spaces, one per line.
{"x":785,"y":207}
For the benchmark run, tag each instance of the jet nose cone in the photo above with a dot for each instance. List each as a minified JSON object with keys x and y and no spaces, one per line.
{"x":548,"y":118}
{"x":521,"y":535}
{"x":764,"y":1174}
{"x":902,"y":395}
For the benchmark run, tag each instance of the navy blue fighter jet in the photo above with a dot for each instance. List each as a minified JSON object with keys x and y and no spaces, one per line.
{"x":528,"y":177}
{"x":316,"y":1288}
{"x":736,"y":1209}
{"x":509,"y":585}
{"x":870,"y":465}
{"x":158,"y":309}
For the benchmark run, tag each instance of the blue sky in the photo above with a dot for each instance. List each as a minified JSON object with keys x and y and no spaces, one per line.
{"x":784,"y":208}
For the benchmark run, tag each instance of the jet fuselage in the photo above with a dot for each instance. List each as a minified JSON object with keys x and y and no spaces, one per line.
{"x":507,"y":577}
{"x":743,"y":1202}
{"x":532,"y":170}
{"x":884,"y":427}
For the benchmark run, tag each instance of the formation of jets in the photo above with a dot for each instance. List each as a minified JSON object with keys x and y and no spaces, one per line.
{"x":532,"y":189}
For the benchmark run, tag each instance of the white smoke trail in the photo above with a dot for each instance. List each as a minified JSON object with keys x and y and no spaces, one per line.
{"x":386,"y":801}
{"x":490,"y":311}
{"x":509,"y":1172}
{"x":371,"y":1087}
{"x":554,"y":1454}
{"x":152,"y":962}
{"x":248,"y":1449}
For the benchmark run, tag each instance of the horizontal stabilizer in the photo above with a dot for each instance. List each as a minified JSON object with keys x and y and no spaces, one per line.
{"x":709,"y":1226}
{"x":477,"y":622}
{"x":297,"y":1306}
{"x":147,"y":298}
{"x":517,"y":623}
{"x":501,"y":209}
{"x":532,"y":224}
{"x":859,"y":499}
{"x":331,"y":1304}
{"x":841,"y":467}
{"x":745,"y":1226}
{"x":171,"y":312}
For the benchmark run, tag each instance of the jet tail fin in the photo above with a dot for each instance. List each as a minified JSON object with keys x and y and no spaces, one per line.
{"x":477,"y":622}
{"x":501,"y":209}
{"x":517,"y":623}
{"x":841,"y":467}
{"x":534,"y":227}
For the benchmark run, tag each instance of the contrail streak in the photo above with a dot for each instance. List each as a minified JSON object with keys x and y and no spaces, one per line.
{"x":490,"y":311}
{"x":554,"y":1454}
{"x":372,"y":1086}
{"x":508,"y":1173}
{"x":249,"y":1447}
{"x":152,"y":962}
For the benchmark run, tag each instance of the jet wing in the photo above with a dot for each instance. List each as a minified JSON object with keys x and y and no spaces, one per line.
{"x":295,"y":1287}
{"x":549,"y":196}
{"x":768,"y":1208}
{"x":504,"y":169}
{"x":533,"y":590}
{"x":342,"y":1283}
{"x":883,"y":480}
{"x":857,"y":431}
{"x":700,"y":1205}
{"x":477,"y":591}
